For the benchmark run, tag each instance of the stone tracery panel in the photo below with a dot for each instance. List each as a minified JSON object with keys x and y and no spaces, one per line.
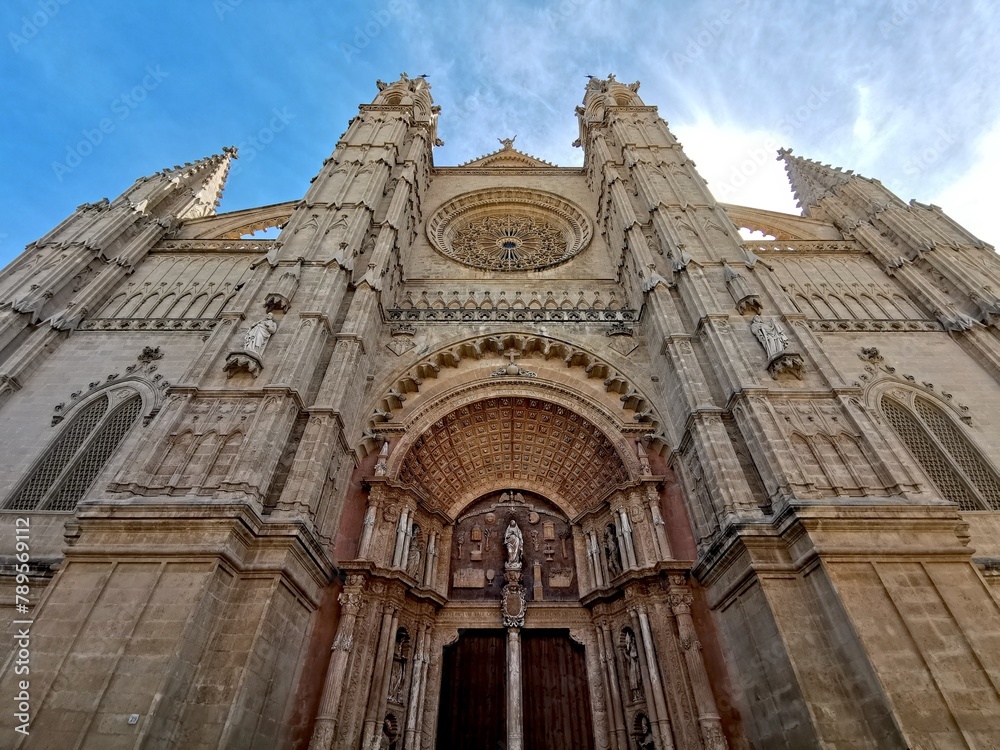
{"x":509,"y":229}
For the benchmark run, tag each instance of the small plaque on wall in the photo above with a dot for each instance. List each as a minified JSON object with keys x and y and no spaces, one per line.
{"x":469,"y":578}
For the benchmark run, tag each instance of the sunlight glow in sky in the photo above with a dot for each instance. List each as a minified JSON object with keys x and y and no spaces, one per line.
{"x":101,"y":93}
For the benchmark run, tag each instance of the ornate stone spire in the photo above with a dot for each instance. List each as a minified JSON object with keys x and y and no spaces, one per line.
{"x":810,"y":180}
{"x":205,"y":179}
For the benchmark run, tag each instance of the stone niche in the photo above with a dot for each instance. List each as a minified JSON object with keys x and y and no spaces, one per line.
{"x":478,"y":553}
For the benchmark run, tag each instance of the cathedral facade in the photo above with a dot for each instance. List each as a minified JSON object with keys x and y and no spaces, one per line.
{"x":501,"y":455}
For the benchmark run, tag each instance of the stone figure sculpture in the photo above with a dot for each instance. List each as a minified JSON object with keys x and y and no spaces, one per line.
{"x":644,"y":735}
{"x":413,"y":559}
{"x":258,"y":334}
{"x":611,"y":551}
{"x":770,"y":335}
{"x":631,"y":650}
{"x":514,"y":542}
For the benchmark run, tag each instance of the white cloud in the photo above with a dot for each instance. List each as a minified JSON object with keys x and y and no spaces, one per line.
{"x":971,"y":199}
{"x":739,"y":165}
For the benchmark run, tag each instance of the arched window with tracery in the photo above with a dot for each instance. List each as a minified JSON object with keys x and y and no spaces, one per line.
{"x":71,"y":464}
{"x":946,"y":455}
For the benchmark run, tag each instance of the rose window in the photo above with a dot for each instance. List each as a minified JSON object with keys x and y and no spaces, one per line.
{"x":509,"y":243}
{"x":509,"y":229}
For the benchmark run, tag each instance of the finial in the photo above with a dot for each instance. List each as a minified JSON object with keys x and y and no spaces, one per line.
{"x":508,"y":143}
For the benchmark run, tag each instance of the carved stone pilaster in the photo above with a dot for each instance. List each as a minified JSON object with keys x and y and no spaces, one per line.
{"x":680,"y":599}
{"x":351,"y":601}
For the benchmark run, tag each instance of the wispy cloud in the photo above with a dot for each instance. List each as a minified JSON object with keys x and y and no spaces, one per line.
{"x":901,"y":91}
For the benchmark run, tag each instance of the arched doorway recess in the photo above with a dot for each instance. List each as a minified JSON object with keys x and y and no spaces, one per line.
{"x":597,"y":564}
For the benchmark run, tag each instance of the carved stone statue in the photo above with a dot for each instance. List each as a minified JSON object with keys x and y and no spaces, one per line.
{"x":631,"y":650}
{"x":413,"y":559}
{"x":644,"y":734}
{"x":383,"y":460}
{"x":397,"y":674}
{"x":258,"y":334}
{"x":770,"y":335}
{"x":611,"y":551}
{"x":514,"y":542}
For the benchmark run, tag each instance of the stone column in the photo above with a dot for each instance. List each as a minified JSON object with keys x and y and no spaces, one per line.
{"x":594,"y":552}
{"x":656,"y":685}
{"x":368,"y":530}
{"x":430,"y":560}
{"x":515,"y":719}
{"x":415,"y":700}
{"x":380,"y":678}
{"x":605,"y":647}
{"x":404,"y":555}
{"x":628,"y":543}
{"x":647,"y":665}
{"x":326,"y":720}
{"x":708,"y":714}
{"x":440,"y":583}
{"x":429,"y":646}
{"x":659,"y":527}
{"x":401,"y":526}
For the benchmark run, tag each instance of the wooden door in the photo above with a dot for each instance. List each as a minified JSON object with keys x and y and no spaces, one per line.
{"x":473,"y":713}
{"x":556,"y":695}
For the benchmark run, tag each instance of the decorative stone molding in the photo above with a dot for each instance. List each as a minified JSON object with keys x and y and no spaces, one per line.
{"x":143,"y":372}
{"x":803,"y":246}
{"x":786,"y":362}
{"x":255,"y":247}
{"x":149,"y":324}
{"x":242,"y":362}
{"x":509,"y":229}
{"x":873,"y":325}
{"x":526,"y":315}
{"x":747,"y":298}
{"x":477,"y":348}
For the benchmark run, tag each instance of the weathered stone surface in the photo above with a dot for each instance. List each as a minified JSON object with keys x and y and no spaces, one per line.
{"x":755,"y":481}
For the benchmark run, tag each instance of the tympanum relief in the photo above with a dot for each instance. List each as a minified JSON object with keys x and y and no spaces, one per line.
{"x":510,"y":525}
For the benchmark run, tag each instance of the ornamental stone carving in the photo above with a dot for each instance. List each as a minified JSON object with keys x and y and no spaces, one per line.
{"x":509,"y":229}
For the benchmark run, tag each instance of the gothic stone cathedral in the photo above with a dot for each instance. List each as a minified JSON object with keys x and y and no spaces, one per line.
{"x":503,"y":455}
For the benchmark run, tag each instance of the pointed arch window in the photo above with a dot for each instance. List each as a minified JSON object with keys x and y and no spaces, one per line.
{"x":945,"y":453}
{"x":71,"y":464}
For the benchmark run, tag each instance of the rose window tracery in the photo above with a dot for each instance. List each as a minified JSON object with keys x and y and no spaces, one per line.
{"x":509,"y":243}
{"x":509,"y":229}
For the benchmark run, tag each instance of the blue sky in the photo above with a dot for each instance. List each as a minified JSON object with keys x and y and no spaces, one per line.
{"x":101,"y":93}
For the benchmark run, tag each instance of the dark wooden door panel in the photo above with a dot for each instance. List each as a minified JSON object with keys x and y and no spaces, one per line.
{"x":473,"y":713}
{"x":556,"y":697}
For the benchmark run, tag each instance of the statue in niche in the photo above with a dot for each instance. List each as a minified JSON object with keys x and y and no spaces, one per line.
{"x":611,"y":551}
{"x":413,"y":560}
{"x":644,"y":733}
{"x":631,"y":650}
{"x":514,"y":542}
{"x":258,"y":334}
{"x":398,"y":672}
{"x":770,"y":335}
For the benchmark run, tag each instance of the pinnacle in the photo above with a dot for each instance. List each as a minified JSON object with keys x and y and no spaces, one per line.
{"x":205,"y":178}
{"x":811,"y":181}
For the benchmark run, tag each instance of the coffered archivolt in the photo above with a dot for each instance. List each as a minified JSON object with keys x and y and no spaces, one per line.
{"x":532,"y":436}
{"x":492,"y":360}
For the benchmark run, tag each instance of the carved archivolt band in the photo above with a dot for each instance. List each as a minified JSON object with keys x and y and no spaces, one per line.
{"x":509,"y":229}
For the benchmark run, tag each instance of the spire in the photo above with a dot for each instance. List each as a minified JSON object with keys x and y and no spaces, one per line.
{"x":810,"y":180}
{"x":205,"y":180}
